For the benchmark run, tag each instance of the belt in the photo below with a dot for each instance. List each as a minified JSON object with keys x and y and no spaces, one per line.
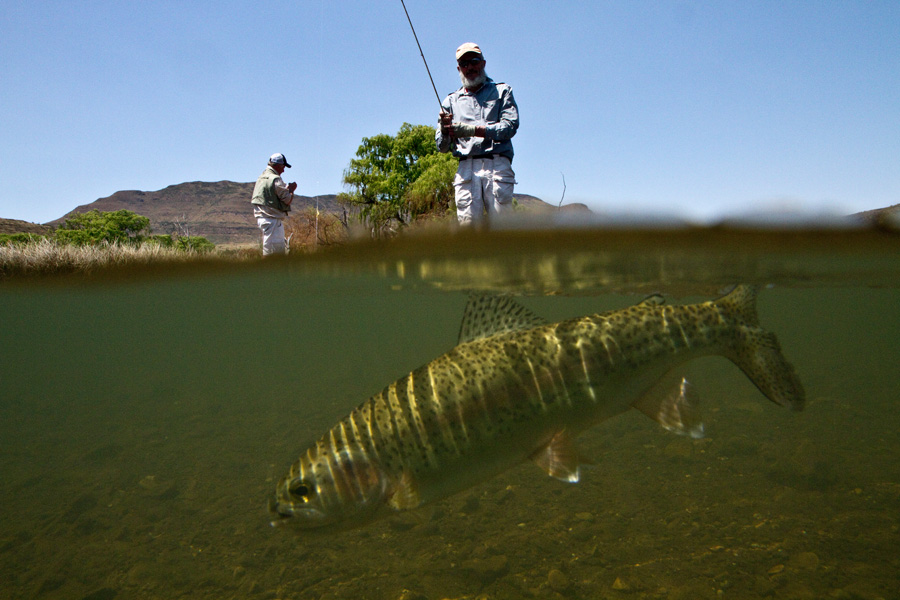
{"x":477,"y":156}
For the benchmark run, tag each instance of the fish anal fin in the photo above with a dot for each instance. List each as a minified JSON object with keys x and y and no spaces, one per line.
{"x":404,"y":493}
{"x":676,"y":407}
{"x":559,"y":458}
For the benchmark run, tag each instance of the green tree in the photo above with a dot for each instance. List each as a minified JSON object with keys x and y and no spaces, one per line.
{"x":431,"y":194}
{"x":398,"y":179}
{"x":94,"y":227}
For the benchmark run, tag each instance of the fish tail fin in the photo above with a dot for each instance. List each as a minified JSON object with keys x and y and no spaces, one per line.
{"x":757,"y":351}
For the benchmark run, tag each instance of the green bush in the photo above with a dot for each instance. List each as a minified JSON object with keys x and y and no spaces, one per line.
{"x":119,"y":228}
{"x":164,"y":241}
{"x":94,"y":227}
{"x":20,"y":239}
{"x":194,"y":243}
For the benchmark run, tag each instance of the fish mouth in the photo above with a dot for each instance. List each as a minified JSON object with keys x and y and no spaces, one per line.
{"x":286,"y":512}
{"x":279,"y":510}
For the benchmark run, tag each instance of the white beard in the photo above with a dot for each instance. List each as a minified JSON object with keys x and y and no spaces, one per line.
{"x":473,"y":83}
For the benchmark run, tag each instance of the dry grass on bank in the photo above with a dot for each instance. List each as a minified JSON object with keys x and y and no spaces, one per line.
{"x":305,"y":235}
{"x":47,"y":257}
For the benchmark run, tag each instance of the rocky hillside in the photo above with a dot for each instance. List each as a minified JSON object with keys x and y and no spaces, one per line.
{"x":882,"y":218}
{"x":16,"y":226}
{"x":219,"y":211}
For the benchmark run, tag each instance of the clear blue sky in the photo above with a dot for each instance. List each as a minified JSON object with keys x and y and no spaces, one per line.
{"x":698,"y":108}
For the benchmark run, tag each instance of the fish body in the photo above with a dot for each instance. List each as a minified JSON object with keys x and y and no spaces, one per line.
{"x":517,"y":388}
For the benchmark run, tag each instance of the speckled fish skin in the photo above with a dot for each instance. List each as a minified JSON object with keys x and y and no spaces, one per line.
{"x":493,"y":402}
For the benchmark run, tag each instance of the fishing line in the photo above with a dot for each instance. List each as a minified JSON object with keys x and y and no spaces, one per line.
{"x":436,"y":95}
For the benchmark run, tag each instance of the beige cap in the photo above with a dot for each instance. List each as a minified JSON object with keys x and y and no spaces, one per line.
{"x":466,"y":48}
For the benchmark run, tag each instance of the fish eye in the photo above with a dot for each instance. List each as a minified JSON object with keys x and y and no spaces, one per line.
{"x":299,"y":489}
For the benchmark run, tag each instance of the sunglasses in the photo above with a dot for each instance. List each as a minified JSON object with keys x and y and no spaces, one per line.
{"x":469,"y":61}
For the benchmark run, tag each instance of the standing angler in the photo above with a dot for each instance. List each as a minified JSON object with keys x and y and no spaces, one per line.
{"x":517,"y":388}
{"x":477,"y":123}
{"x":271,"y":201}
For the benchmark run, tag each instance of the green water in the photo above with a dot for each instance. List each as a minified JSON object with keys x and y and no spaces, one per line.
{"x":144,"y":418}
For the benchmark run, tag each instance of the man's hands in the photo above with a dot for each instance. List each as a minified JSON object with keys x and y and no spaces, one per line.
{"x":446,"y":120}
{"x":459,"y":130}
{"x":463,"y":130}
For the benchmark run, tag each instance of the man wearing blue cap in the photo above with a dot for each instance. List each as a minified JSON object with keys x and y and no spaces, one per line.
{"x":477,"y":123}
{"x":271,"y":201}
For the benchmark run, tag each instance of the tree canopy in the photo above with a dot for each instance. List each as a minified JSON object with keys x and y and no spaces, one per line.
{"x":396,"y":180}
{"x":94,"y":227}
{"x":121,"y":227}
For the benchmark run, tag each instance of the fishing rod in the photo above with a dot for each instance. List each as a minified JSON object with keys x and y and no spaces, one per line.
{"x":436,"y":95}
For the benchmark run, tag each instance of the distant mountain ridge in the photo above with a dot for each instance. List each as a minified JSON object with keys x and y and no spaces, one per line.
{"x":219,"y":211}
{"x":17,"y":226}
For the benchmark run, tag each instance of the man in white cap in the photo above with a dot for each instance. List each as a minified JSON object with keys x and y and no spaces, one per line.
{"x":271,"y":201}
{"x":477,"y":123}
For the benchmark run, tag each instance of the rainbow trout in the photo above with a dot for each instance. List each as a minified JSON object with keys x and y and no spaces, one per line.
{"x":516,"y":388}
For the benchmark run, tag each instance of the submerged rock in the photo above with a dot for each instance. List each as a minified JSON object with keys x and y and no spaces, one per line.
{"x":805,"y":561}
{"x":558,"y":580}
{"x":487,"y":569}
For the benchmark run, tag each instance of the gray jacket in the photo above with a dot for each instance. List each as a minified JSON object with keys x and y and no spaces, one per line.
{"x":492,"y":106}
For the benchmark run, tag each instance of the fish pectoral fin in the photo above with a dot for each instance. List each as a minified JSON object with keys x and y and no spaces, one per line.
{"x":677,"y":410}
{"x":559,"y":458}
{"x":404,"y":493}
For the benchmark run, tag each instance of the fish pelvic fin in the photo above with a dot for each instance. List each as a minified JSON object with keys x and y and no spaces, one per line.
{"x":757,"y":351}
{"x":486,"y":316}
{"x":404,"y":493}
{"x":675,"y":407}
{"x":559,"y":458}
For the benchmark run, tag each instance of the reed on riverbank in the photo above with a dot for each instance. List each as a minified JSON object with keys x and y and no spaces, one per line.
{"x":48,"y":257}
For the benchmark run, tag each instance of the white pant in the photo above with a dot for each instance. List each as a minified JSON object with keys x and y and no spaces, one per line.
{"x":483,"y":184}
{"x":272,"y":233}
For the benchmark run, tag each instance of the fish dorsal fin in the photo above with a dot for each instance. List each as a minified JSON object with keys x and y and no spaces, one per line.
{"x":674,"y":407}
{"x":652,"y":300}
{"x":559,"y":458}
{"x":487,"y":316}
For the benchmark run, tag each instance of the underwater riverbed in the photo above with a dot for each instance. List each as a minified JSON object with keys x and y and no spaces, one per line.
{"x":145,"y":418}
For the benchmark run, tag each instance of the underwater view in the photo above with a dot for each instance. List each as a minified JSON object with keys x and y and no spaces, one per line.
{"x":147,"y":416}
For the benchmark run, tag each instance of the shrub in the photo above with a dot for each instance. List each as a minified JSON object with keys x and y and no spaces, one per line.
{"x":194,"y":243}
{"x":164,"y":241}
{"x":94,"y":227}
{"x":20,"y":239}
{"x":309,"y":229}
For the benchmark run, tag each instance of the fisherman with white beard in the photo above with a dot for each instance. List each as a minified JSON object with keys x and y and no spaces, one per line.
{"x":271,"y":201}
{"x":477,"y":124}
